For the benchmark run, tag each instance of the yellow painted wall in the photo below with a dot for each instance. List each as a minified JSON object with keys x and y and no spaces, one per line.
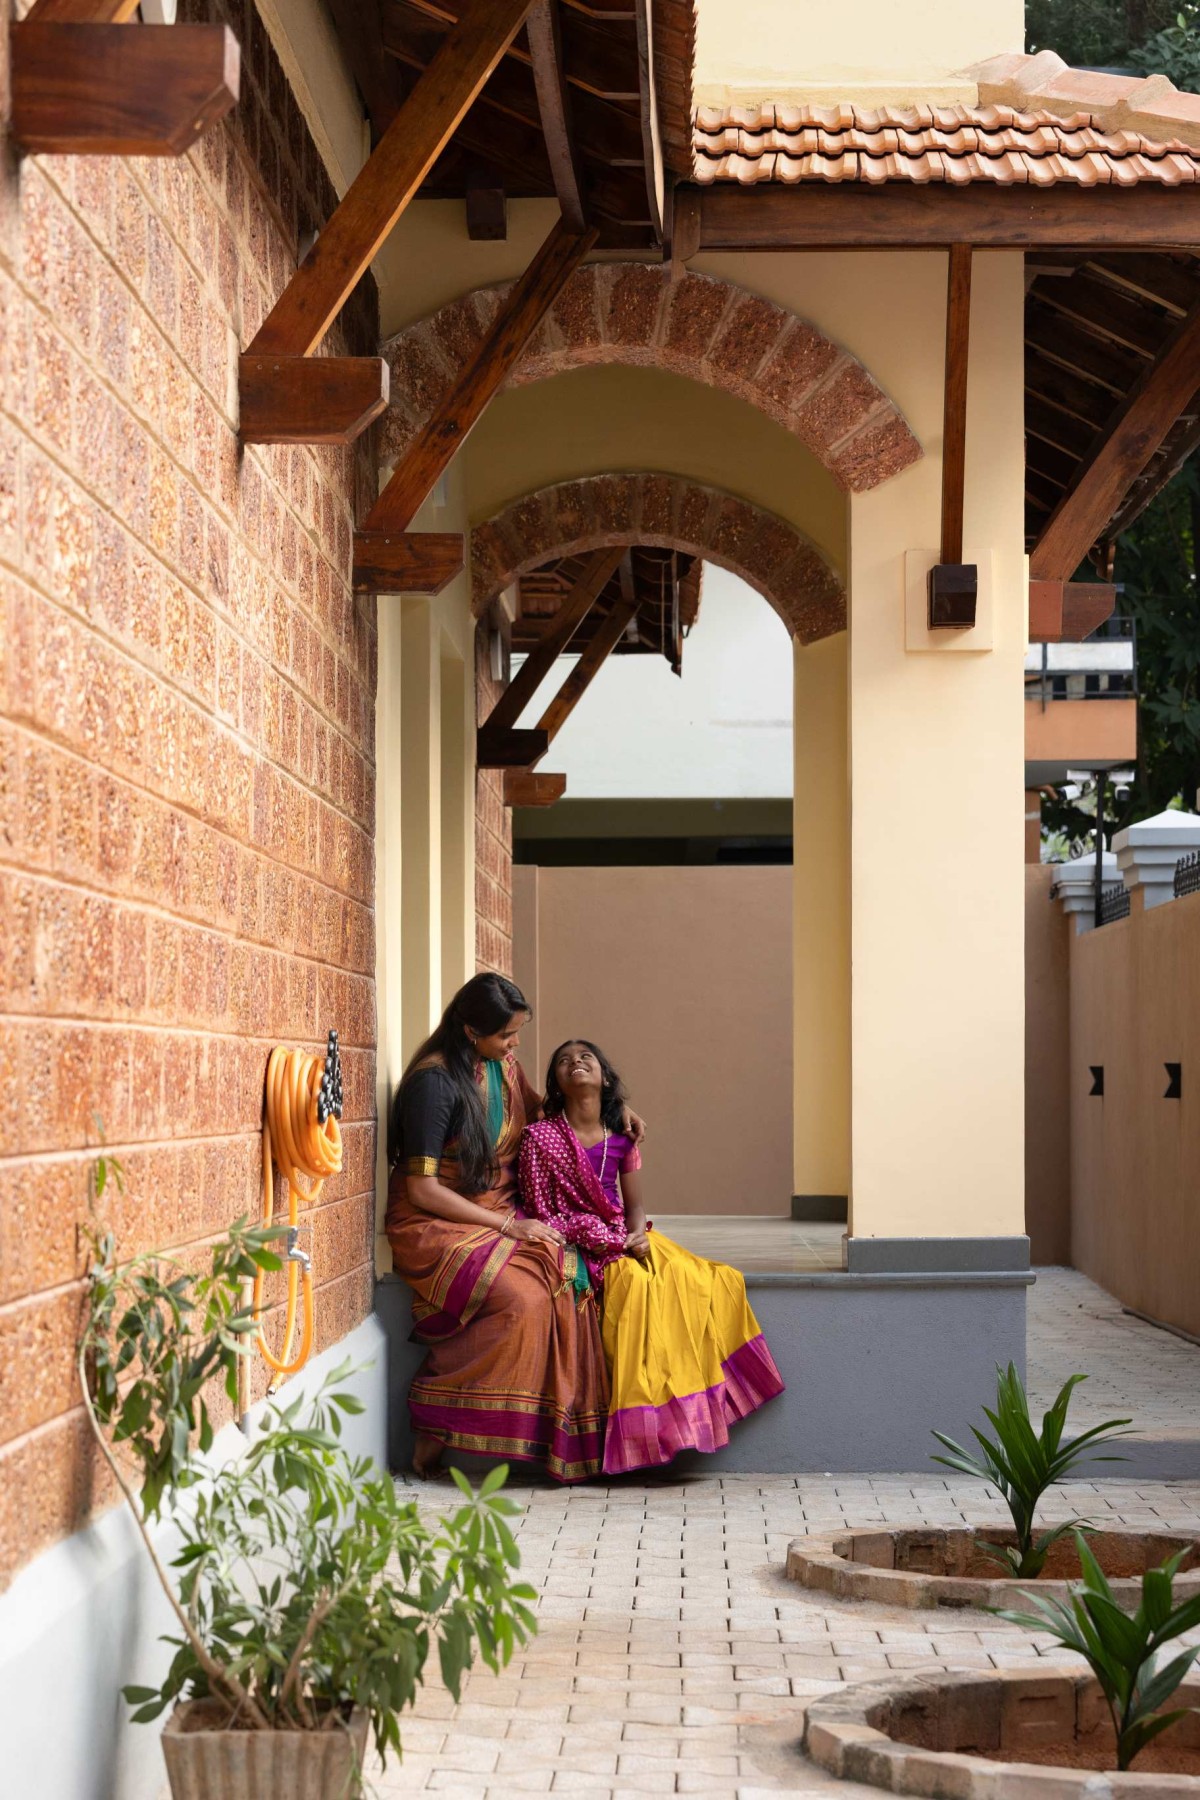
{"x":594,"y":421}
{"x":821,"y":920}
{"x":780,"y":49}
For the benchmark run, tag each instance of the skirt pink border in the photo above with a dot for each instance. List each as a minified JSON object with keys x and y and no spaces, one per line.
{"x":645,"y":1437}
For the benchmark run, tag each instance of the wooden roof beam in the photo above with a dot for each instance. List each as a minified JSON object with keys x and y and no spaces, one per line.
{"x":388,"y":180}
{"x":899,"y":215}
{"x":1137,"y":430}
{"x":517,"y":749}
{"x":542,"y":29}
{"x":953,"y":584}
{"x":433,"y":448}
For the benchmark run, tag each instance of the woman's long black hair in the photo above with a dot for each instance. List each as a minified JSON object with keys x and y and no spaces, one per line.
{"x":613,"y":1097}
{"x":486,"y":1004}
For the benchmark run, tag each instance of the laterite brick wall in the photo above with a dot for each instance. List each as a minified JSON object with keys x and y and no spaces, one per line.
{"x":186,"y":739}
{"x":493,"y":837}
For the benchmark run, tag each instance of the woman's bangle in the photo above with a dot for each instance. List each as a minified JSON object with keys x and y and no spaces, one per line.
{"x":505,"y":1223}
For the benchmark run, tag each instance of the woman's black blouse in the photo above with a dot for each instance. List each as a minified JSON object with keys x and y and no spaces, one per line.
{"x":430,"y":1118}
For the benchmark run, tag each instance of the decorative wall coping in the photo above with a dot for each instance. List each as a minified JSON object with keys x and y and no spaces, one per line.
{"x":1146,"y":853}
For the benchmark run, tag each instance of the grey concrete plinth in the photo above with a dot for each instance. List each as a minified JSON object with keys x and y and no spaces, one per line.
{"x":873,"y":1363}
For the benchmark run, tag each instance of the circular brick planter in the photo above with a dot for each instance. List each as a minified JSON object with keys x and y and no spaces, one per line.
{"x":1004,"y":1735}
{"x":930,"y":1567}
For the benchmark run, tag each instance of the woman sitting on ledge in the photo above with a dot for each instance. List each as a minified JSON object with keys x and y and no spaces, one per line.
{"x":685,"y":1355}
{"x":515,"y":1366}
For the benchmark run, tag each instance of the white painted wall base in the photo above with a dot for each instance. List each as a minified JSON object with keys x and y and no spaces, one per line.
{"x":84,"y":1619}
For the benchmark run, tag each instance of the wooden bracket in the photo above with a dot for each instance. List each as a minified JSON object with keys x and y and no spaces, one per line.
{"x":510,"y":749}
{"x":524,"y":787}
{"x":310,"y":399}
{"x":553,"y":640}
{"x":953,"y":584}
{"x":116,"y":90}
{"x":1066,"y":612}
{"x":407,"y":562}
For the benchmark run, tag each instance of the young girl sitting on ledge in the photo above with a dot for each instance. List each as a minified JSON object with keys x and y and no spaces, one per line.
{"x":685,"y":1354}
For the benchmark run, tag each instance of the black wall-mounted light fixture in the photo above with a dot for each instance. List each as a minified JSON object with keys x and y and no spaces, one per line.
{"x":1096,"y":1071}
{"x":953,"y":593}
{"x":1174,"y":1081}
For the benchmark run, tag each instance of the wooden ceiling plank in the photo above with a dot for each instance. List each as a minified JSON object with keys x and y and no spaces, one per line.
{"x":954,"y":409}
{"x":391,"y":176}
{"x":580,"y":679}
{"x":1107,"y":311}
{"x":545,"y":47}
{"x":99,"y":90}
{"x":1063,"y":389}
{"x":1138,"y":429}
{"x":309,"y":399}
{"x":406,"y":562}
{"x":1159,"y":278}
{"x":1112,"y":369}
{"x":900,"y":215}
{"x":358,"y":30}
{"x":524,"y":308}
{"x":552,"y":640}
{"x":1061,"y":429}
{"x":599,"y":57}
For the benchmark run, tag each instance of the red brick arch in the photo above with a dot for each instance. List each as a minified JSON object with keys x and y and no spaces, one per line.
{"x":670,"y":511}
{"x":711,"y":331}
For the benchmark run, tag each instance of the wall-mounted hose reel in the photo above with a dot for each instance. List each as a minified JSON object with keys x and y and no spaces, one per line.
{"x":303,"y":1140}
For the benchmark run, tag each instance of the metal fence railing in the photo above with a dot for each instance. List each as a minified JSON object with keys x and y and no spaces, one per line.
{"x":1114,"y":903}
{"x":1187,"y":875}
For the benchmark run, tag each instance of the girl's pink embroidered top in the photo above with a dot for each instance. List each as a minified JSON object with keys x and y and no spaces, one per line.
{"x":575,"y":1188}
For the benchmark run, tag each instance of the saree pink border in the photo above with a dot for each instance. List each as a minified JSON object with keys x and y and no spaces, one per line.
{"x":644,"y":1437}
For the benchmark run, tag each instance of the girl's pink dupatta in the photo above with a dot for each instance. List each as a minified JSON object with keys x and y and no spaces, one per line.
{"x":560,"y":1187}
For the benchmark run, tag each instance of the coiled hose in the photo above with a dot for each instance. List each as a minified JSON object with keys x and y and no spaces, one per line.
{"x":302,"y":1138}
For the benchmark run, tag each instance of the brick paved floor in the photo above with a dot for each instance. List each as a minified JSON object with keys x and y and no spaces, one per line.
{"x":674,"y":1657}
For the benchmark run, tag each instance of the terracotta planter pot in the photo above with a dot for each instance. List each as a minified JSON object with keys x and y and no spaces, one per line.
{"x":248,"y":1765}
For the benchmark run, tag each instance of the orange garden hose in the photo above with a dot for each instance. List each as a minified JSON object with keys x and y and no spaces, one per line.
{"x":302,"y":1137}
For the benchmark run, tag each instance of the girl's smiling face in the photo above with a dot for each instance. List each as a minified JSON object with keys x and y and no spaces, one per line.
{"x":577,"y":1070}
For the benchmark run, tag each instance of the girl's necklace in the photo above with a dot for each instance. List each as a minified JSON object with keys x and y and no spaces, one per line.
{"x":604,"y":1159}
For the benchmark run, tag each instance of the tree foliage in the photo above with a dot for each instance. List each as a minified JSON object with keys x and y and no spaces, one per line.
{"x":1158,"y":558}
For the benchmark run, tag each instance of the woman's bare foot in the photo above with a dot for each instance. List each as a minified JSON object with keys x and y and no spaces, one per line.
{"x":427,"y":1456}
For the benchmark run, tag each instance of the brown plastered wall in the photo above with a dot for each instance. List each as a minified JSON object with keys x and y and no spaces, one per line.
{"x":684,"y":977}
{"x":186,"y":742}
{"x":1047,"y":1050}
{"x":1135,"y":1156}
{"x":493,"y":837}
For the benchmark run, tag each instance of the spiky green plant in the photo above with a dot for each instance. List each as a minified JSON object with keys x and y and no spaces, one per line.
{"x":1122,"y":1651}
{"x":1022,"y":1463}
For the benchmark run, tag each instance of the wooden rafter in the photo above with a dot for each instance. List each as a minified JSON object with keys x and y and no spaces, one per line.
{"x":81,"y":12}
{"x":435,"y":444}
{"x":391,"y":176}
{"x":898,"y":215}
{"x":1141,"y":423}
{"x":545,"y":47}
{"x":582,"y":675}
{"x":310,"y":399}
{"x":552,"y":642}
{"x":88,"y":89}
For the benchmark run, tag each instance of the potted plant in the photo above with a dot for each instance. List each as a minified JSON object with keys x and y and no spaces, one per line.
{"x":307,"y":1593}
{"x":1123,"y":1653}
{"x":1021,"y":1464}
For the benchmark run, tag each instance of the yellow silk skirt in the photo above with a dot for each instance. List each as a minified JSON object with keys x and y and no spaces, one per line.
{"x":685,"y":1354}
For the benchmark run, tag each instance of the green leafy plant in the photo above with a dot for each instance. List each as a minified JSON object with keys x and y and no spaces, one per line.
{"x":1122,"y":1651}
{"x":1021,"y":1464}
{"x":305,"y":1586}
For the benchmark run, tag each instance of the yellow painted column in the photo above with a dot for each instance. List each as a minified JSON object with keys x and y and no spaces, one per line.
{"x":421,"y":820}
{"x":458,"y":807}
{"x":936,"y":764}
{"x":821,"y":925}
